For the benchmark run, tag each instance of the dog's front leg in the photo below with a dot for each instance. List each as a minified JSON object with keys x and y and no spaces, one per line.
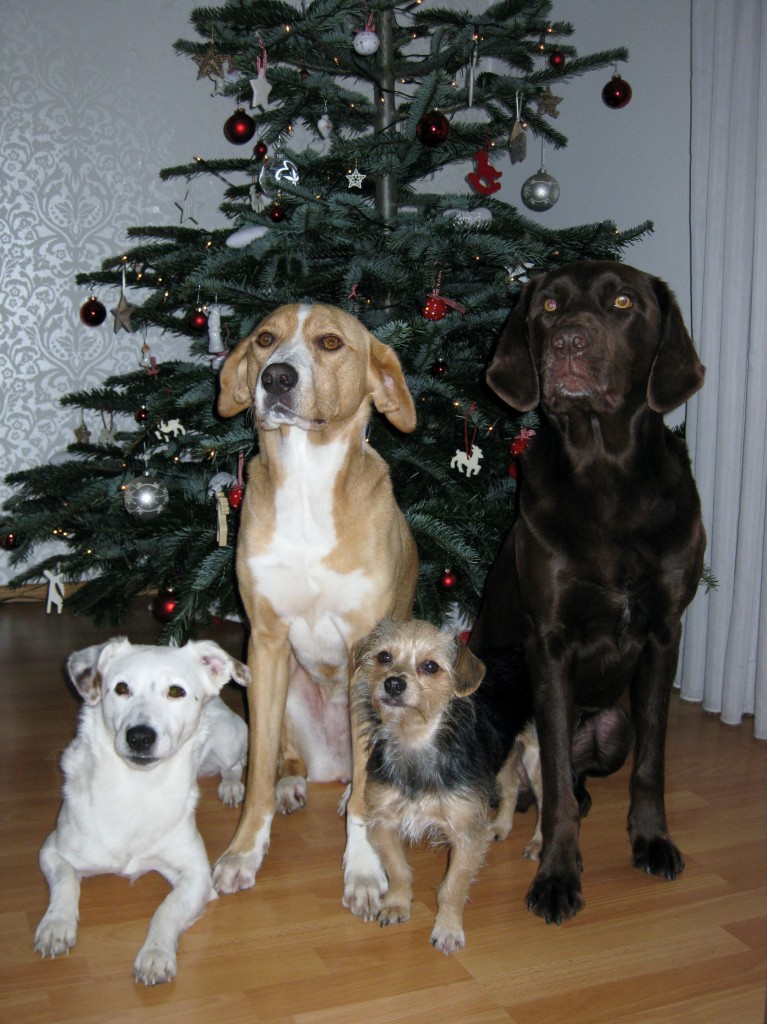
{"x":155,"y":962}
{"x":466,"y":858}
{"x":555,"y":892}
{"x":269,"y":664}
{"x":651,"y":845}
{"x":57,"y":930}
{"x":364,"y":878}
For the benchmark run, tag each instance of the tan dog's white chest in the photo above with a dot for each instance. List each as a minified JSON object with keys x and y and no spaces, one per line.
{"x":295,"y":569}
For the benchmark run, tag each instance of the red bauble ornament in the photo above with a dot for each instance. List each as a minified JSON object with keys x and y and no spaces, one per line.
{"x":438,"y":369}
{"x":142,"y":415}
{"x":198,"y":320}
{"x":93,"y":312}
{"x":616,"y":93}
{"x":513,"y":470}
{"x":164,"y":604}
{"x":260,"y":149}
{"x":433,"y":129}
{"x":276,"y":213}
{"x":240,"y":127}
{"x":8,"y":541}
{"x":448,"y":580}
{"x":556,"y":59}
{"x":435,"y":308}
{"x":235,"y":496}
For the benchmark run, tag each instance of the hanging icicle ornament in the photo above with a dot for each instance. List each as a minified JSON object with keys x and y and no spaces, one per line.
{"x":471,"y":73}
{"x":541,"y":190}
{"x":436,"y":306}
{"x":518,"y":136}
{"x":484,"y":179}
{"x":215,"y":341}
{"x":366,"y":42}
{"x":261,"y":88}
{"x":617,"y":93}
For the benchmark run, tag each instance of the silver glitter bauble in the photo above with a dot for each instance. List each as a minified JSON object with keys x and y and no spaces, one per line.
{"x":540,"y":191}
{"x":145,"y":497}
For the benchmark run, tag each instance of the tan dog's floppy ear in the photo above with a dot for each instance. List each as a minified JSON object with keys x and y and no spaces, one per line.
{"x":389,"y":389}
{"x":85,"y":667}
{"x":512,"y":374}
{"x":676,"y":372}
{"x":234,"y":395}
{"x":468,"y":671}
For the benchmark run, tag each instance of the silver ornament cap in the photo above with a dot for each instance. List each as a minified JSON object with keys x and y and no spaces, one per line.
{"x":540,"y":191}
{"x":145,"y":497}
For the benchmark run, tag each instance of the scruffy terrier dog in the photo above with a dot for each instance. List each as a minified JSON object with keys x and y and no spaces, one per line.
{"x":444,"y":752}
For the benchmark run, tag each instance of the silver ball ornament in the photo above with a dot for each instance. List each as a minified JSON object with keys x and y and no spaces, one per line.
{"x":145,"y":497}
{"x":366,"y":43}
{"x":540,"y":191}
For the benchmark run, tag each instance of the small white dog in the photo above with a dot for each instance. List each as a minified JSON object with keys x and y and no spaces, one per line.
{"x":152,"y":722}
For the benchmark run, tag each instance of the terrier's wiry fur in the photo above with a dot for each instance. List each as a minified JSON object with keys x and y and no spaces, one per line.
{"x":444,"y":752}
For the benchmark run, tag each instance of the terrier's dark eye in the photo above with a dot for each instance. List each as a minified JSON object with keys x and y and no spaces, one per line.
{"x":176,"y":691}
{"x":383,"y":658}
{"x":430,"y":667}
{"x":122,"y":689}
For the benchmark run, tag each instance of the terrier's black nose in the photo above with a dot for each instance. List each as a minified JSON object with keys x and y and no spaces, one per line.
{"x":141,"y":738}
{"x":279,"y":378}
{"x":395,"y":686}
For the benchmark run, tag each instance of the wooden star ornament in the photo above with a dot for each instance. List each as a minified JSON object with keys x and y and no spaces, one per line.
{"x":211,"y":63}
{"x":122,"y":313}
{"x":548,"y":103}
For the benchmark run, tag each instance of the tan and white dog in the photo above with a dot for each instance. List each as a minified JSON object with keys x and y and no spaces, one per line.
{"x":323,"y":553}
{"x":151,"y":722}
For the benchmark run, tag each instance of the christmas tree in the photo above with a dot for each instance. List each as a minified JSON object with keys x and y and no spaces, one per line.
{"x":346,"y":115}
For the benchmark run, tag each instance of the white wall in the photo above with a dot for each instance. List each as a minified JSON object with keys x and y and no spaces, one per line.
{"x":95,"y":102}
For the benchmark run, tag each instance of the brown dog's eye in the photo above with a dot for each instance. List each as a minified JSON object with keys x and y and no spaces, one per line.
{"x":265,"y":339}
{"x":550,"y":305}
{"x":176,"y":691}
{"x":430,"y":668}
{"x":331,"y":342}
{"x":383,"y":658}
{"x":623,"y":302}
{"x":122,"y":689}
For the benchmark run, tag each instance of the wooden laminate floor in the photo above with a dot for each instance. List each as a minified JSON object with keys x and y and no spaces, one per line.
{"x":643,"y":951}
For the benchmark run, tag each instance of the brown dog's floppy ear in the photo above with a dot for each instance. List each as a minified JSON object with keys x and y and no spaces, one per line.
{"x":468,"y":671}
{"x":234,"y":395}
{"x":512,"y":374}
{"x":676,"y":372}
{"x":389,"y":389}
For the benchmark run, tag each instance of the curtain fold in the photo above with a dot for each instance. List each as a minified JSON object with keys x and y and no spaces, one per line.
{"x":724,"y":658}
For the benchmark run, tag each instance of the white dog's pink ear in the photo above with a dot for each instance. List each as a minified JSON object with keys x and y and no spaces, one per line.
{"x":220,"y":666}
{"x":85,"y":668}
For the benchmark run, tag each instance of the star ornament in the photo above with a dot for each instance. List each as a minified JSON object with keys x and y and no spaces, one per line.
{"x":548,"y":103}
{"x":122,"y":313}
{"x":211,"y":63}
{"x":355,"y":178}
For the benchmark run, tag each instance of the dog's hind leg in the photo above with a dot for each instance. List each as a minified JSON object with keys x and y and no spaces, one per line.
{"x":466,"y":856}
{"x":192,"y":889}
{"x":57,"y":930}
{"x":508,"y":783}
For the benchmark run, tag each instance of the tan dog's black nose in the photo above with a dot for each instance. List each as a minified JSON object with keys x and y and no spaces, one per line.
{"x":278,"y":378}
{"x":395,"y":686}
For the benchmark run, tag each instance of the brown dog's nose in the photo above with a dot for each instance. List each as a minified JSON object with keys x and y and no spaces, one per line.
{"x":395,"y":686}
{"x":571,"y":341}
{"x":279,"y":378}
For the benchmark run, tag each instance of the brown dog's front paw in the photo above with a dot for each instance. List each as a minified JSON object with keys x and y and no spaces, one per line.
{"x":555,"y":898}
{"x":657,"y":856}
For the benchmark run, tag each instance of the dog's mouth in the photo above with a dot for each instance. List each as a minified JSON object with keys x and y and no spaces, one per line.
{"x":141,"y":760}
{"x":281,"y":415}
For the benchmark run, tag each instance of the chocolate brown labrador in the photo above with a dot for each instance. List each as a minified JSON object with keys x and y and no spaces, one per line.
{"x":607,"y":549}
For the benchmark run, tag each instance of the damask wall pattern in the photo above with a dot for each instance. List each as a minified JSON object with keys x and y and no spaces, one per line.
{"x":93,"y":103}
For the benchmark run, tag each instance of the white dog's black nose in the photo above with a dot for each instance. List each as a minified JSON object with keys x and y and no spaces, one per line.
{"x":141,"y":738}
{"x":279,"y":378}
{"x":395,"y":686}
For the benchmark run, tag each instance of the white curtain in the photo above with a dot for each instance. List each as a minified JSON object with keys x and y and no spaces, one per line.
{"x":724,"y":662}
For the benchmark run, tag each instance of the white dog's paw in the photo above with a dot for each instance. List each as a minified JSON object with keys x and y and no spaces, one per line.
{"x":363,"y":895}
{"x":290,"y":794}
{"x":365,"y":882}
{"x":447,"y":940}
{"x":55,"y":935}
{"x":235,"y":871}
{"x":154,"y":965}
{"x":231,"y":791}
